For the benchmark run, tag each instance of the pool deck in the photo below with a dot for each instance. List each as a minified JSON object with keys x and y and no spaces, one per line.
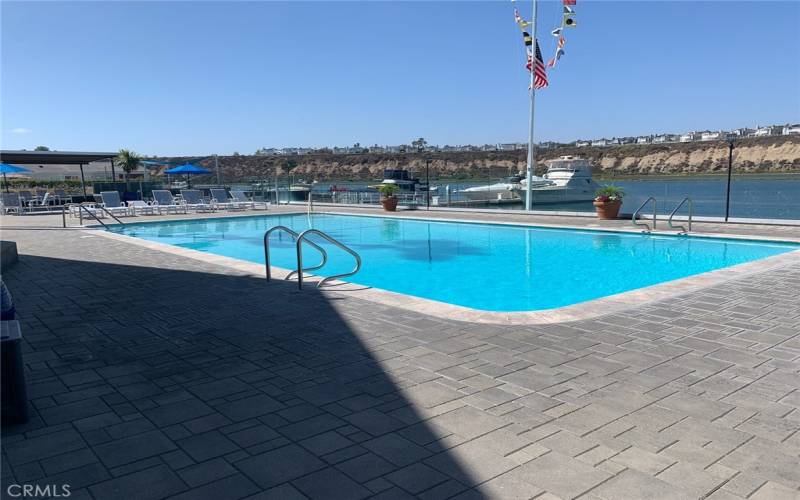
{"x":155,"y":375}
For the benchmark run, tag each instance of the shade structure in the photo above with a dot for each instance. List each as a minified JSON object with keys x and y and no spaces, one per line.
{"x":188,"y":169}
{"x":5,"y":168}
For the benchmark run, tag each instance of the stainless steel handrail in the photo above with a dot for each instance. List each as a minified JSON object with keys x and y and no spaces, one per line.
{"x":84,"y":208}
{"x":671,"y":215}
{"x":295,"y":236}
{"x":636,"y":214}
{"x":332,"y":240}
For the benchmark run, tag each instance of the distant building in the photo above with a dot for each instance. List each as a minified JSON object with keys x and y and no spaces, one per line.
{"x":511,"y":146}
{"x":665,"y":138}
{"x":582,"y":144}
{"x":738,"y":133}
{"x":605,"y":142}
{"x":690,"y":137}
{"x":489,"y":147}
{"x":791,"y":129}
{"x":643,"y":139}
{"x":548,"y":145}
{"x":713,"y":136}
{"x":769,"y":130}
{"x":627,"y":140}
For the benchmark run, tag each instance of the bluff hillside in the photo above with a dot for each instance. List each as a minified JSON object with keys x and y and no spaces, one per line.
{"x":754,"y":155}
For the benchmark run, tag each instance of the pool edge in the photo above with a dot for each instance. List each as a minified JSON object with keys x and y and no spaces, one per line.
{"x":590,"y":309}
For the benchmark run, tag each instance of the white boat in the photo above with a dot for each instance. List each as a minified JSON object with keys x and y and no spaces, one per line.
{"x":570,"y":181}
{"x":404,"y":182}
{"x":500,"y":191}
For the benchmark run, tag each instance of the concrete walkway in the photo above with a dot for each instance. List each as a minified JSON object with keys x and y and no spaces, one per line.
{"x":153,"y":376}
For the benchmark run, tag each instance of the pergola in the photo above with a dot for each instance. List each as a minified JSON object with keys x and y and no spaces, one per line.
{"x":57,"y":158}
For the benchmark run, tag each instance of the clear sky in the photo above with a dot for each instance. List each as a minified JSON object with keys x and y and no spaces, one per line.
{"x":198,"y":78}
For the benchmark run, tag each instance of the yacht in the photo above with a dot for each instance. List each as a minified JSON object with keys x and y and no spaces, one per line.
{"x":507,"y":190}
{"x":404,"y":182}
{"x":570,"y":181}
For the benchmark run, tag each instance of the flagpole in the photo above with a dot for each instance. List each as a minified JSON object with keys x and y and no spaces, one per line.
{"x":531,"y":154}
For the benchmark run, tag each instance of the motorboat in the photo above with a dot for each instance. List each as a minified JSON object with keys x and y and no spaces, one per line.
{"x":507,"y":190}
{"x":404,"y":181}
{"x":569,"y":181}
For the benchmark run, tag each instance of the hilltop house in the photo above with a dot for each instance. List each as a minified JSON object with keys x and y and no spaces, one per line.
{"x":627,"y":140}
{"x":643,"y":139}
{"x":713,"y":136}
{"x":769,"y":130}
{"x":582,"y":144}
{"x":665,"y":138}
{"x":689,"y":137}
{"x":791,"y":129}
{"x":738,"y":133}
{"x":605,"y":142}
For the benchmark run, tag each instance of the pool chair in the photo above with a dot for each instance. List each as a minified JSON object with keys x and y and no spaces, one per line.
{"x":10,"y":202}
{"x":240,"y":197}
{"x":61,"y":197}
{"x":25,"y":197}
{"x":194,"y":201}
{"x":40,"y":202}
{"x":140,"y":207}
{"x":164,"y":202}
{"x":113,"y":204}
{"x":221,"y":199}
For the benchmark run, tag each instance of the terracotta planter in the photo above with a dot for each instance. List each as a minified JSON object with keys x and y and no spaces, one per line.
{"x":389,"y":203}
{"x":607,"y":210}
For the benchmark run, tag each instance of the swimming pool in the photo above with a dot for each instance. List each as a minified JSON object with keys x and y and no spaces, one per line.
{"x":490,"y":267}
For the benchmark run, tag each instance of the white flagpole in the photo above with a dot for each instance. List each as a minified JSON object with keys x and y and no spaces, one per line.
{"x":531,"y":154}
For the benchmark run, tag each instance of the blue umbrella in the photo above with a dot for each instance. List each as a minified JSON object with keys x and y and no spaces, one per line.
{"x":5,"y":168}
{"x":187,"y":169}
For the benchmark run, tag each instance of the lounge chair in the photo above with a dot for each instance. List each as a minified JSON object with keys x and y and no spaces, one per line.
{"x":140,"y":207}
{"x":61,"y":197}
{"x":40,"y":202}
{"x":193,"y":201}
{"x":25,"y":197}
{"x":221,"y":199}
{"x":113,"y":203}
{"x":10,"y":202}
{"x":241,"y":197}
{"x":165,"y":202}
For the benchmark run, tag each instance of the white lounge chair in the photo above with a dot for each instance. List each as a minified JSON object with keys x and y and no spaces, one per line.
{"x":112,"y":203}
{"x":165,"y":202}
{"x":194,"y":201}
{"x":241,"y":197}
{"x":141,"y":207}
{"x":221,"y":199}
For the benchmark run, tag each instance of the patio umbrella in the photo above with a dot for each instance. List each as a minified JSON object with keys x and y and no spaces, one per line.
{"x":5,"y":168}
{"x":187,"y":169}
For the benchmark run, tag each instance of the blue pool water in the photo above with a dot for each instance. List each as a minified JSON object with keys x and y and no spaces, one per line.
{"x":482,"y":266}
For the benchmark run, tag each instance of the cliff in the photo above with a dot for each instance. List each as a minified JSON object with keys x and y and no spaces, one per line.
{"x":753,"y":155}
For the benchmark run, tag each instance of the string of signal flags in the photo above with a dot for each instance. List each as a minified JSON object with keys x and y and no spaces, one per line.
{"x":535,"y":63}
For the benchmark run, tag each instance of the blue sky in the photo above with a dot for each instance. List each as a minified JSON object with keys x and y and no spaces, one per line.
{"x":216,"y":77}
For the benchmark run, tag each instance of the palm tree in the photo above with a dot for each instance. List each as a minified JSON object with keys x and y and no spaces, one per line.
{"x":129,"y":161}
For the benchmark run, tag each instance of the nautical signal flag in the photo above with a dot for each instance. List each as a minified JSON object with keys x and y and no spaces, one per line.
{"x":569,"y":2}
{"x":526,"y":37}
{"x":520,"y":22}
{"x":569,"y":21}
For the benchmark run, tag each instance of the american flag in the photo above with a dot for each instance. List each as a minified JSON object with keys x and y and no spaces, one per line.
{"x":539,"y":74}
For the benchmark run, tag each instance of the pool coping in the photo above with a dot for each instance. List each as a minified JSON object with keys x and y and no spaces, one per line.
{"x":580,"y":311}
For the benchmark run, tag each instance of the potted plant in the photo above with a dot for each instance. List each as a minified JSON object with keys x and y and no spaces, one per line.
{"x":607,"y":202}
{"x":388,"y":199}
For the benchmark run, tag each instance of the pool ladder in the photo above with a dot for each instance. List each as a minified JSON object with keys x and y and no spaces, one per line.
{"x":683,"y":229}
{"x":299,"y":239}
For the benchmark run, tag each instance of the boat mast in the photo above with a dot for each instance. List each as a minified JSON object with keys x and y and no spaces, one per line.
{"x":531,"y":154}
